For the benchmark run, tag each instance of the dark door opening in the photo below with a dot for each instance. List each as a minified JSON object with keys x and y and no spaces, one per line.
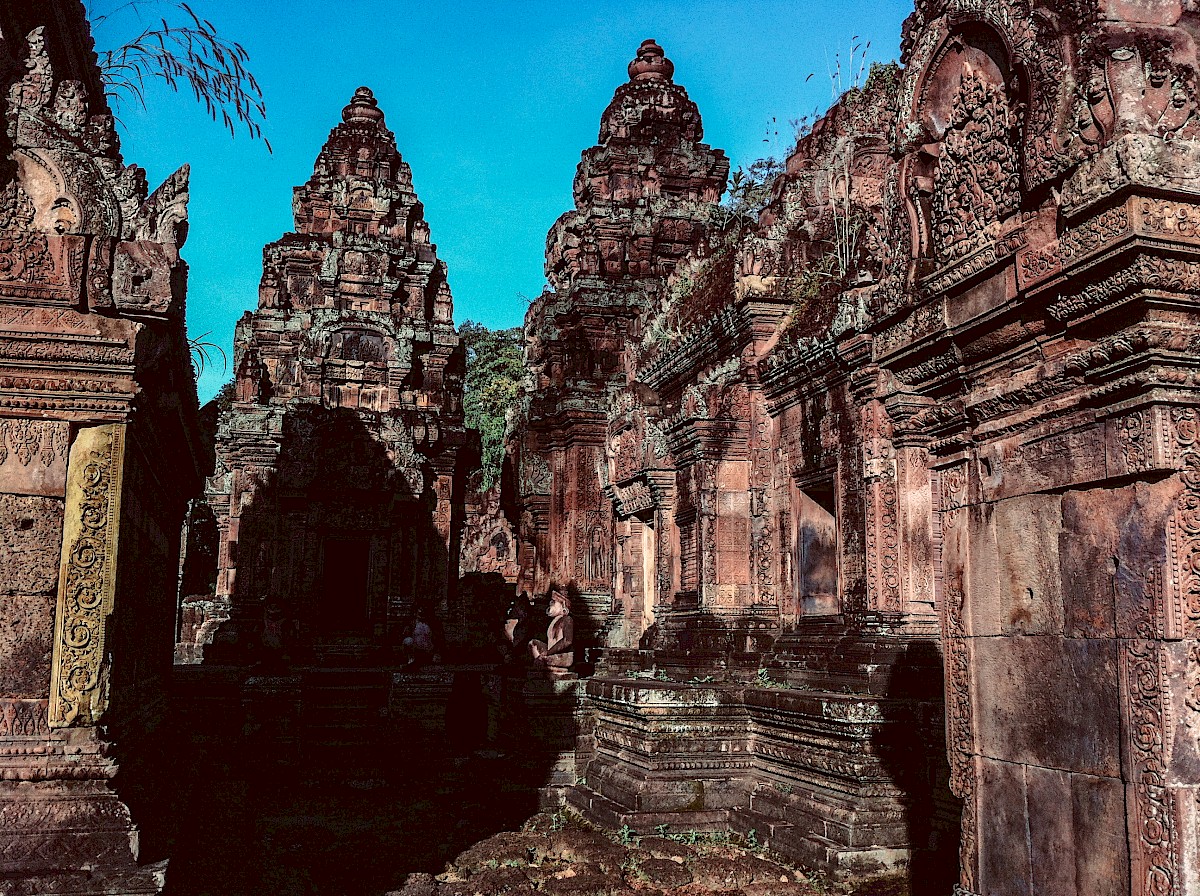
{"x":816,"y":550}
{"x":345,"y":597}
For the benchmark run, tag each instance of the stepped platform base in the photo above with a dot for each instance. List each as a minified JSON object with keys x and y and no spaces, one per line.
{"x":848,"y":781}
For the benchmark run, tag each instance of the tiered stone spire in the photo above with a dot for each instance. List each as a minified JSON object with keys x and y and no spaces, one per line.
{"x":361,"y":198}
{"x":348,"y":402}
{"x":642,"y":194}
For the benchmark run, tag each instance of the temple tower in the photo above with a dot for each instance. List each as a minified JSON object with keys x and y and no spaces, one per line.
{"x":338,"y":457}
{"x":643,"y":195}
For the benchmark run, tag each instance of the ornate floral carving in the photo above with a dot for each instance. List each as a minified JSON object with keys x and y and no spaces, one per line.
{"x":1039,"y":48}
{"x":1160,"y":216}
{"x":960,"y":720}
{"x":87,"y":577}
{"x":1154,"y":856}
{"x":1191,"y":697}
{"x":1183,"y":529}
{"x":1134,"y":436}
{"x":882,"y":510}
{"x":1145,"y":271}
{"x":976,"y":182}
{"x":953,"y":485}
{"x":1094,"y":233}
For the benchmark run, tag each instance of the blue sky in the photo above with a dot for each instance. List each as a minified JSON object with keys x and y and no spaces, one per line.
{"x":491,"y":104}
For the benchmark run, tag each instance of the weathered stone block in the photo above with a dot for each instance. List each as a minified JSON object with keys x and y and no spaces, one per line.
{"x":1099,"y":842}
{"x":1015,"y":583}
{"x":1004,"y":849}
{"x":30,"y":542}
{"x":1049,"y":701}
{"x":1052,"y":846}
{"x":1089,"y":559}
{"x":26,"y":642}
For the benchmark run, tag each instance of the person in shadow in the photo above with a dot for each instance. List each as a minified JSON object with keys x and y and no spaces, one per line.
{"x":417,"y":646}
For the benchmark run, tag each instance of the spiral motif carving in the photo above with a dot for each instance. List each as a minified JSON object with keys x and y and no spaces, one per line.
{"x":86,"y":576}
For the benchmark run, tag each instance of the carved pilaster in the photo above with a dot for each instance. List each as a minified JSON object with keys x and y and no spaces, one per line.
{"x":1179,"y":615}
{"x":949,"y":499}
{"x":1152,"y":818}
{"x":882,"y":511}
{"x":87,"y":576}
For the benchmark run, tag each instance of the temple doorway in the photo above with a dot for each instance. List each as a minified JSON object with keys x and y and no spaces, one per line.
{"x":816,"y":550}
{"x":345,"y":580}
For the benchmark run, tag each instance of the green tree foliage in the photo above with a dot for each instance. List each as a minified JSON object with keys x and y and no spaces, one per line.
{"x":750,"y":188}
{"x":495,"y":368}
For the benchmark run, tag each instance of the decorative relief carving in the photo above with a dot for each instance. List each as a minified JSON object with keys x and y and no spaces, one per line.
{"x":1134,"y":438}
{"x":1094,"y":233}
{"x":960,"y":720}
{"x":1144,"y":272}
{"x":883,"y":568}
{"x":1182,"y":610}
{"x":41,"y":267}
{"x":33,"y":455}
{"x":141,"y":279}
{"x":1154,"y":853}
{"x":924,"y":320}
{"x":953,"y":485}
{"x":1038,"y":263}
{"x":23,"y":718}
{"x":882,"y":510}
{"x":633,"y":497}
{"x":974,"y":262}
{"x":1048,"y":150}
{"x":1177,"y":219}
{"x":535,"y":475}
{"x":976,"y":182}
{"x":1191,"y":697}
{"x":762,"y":541}
{"x":87,"y":576}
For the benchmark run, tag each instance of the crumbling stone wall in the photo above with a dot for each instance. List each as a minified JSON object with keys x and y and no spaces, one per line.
{"x":98,"y":443}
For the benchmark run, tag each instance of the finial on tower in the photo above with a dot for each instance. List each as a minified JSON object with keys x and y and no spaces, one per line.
{"x":651,"y":64}
{"x":363,"y":107}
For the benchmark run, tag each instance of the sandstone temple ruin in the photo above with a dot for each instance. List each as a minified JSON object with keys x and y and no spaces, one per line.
{"x":877,"y":509}
{"x":338,"y":464}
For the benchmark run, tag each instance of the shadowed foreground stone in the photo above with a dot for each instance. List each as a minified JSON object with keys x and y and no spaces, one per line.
{"x":577,"y":861}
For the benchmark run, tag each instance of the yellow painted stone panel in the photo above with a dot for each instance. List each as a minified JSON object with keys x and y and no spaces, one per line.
{"x":87,"y":576}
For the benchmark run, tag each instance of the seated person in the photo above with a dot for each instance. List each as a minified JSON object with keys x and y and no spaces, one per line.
{"x":418,"y":646}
